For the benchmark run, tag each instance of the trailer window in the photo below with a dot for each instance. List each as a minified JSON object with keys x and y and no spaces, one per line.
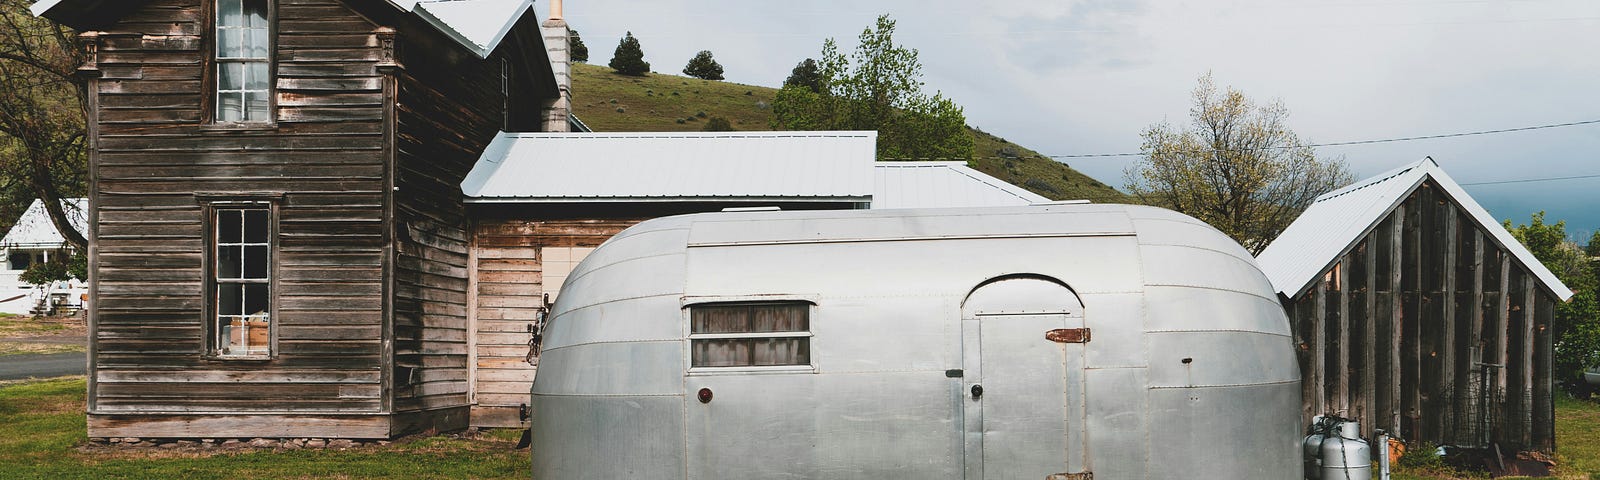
{"x":750,"y":335}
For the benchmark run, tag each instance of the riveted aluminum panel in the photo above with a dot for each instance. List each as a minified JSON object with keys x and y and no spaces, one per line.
{"x":656,"y":239}
{"x":1195,"y":267}
{"x":633,"y":320}
{"x":919,"y":224}
{"x":1187,"y":232}
{"x":877,"y":334}
{"x":1225,"y":432}
{"x":1117,"y":321}
{"x":888,"y":425}
{"x":637,"y":368}
{"x":1118,"y":422}
{"x":626,"y":279}
{"x":912,"y":268}
{"x":1220,"y":358}
{"x":1206,"y":309}
{"x":608,"y":438}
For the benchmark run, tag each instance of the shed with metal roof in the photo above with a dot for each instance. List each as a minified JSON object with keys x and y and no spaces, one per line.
{"x":1417,"y":313}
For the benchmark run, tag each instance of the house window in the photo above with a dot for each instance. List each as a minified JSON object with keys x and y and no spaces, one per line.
{"x":20,"y":260}
{"x":243,"y":62}
{"x":750,"y":334}
{"x":241,"y":282}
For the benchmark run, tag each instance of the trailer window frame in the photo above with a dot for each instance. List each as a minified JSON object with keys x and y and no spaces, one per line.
{"x":697,"y":334}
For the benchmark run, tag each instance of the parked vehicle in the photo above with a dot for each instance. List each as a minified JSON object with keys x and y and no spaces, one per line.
{"x":1048,"y":342}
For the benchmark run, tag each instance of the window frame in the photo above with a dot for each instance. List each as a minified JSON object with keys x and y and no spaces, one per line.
{"x":211,"y":324}
{"x":211,"y":77}
{"x":690,"y":337}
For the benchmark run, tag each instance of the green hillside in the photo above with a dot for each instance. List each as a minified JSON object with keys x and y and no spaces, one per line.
{"x":608,"y":102}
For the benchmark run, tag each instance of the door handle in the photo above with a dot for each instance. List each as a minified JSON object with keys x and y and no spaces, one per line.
{"x":977,"y":391}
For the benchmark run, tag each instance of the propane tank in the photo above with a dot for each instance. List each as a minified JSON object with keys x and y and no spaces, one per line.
{"x":1311,"y":448}
{"x":1344,"y":455}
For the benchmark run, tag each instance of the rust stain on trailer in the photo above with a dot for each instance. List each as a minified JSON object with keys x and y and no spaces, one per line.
{"x":1068,"y":335}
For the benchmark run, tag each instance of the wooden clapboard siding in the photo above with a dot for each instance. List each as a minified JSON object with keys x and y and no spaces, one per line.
{"x":508,"y":294}
{"x":1396,"y":333}
{"x":324,"y":163}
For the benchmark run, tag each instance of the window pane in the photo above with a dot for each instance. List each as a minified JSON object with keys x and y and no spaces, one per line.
{"x":230,"y":43}
{"x":229,"y":14}
{"x":230,"y":299}
{"x":255,"y":300}
{"x":255,"y":262}
{"x":230,"y":107}
{"x":229,"y":262}
{"x":255,"y":76}
{"x":721,"y":353}
{"x":780,"y":351}
{"x":20,"y":261}
{"x":720,"y":319}
{"x":256,"y":102}
{"x":256,"y":227}
{"x":256,"y":43}
{"x":256,"y":11}
{"x":228,"y":226}
{"x":778,"y":318}
{"x":230,"y":76}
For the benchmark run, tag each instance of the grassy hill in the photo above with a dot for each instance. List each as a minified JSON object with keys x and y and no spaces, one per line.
{"x":608,"y":102}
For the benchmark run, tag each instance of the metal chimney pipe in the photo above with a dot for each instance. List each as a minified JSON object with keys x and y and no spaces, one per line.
{"x":555,"y":9}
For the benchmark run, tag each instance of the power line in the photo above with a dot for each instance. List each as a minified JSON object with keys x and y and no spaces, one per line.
{"x":1530,"y":180}
{"x":1364,"y":142}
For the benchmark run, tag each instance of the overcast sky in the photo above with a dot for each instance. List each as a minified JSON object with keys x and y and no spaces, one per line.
{"x":1068,"y":77}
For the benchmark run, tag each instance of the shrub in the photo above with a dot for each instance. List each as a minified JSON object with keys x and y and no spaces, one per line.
{"x":718,"y":124}
{"x":575,"y":47}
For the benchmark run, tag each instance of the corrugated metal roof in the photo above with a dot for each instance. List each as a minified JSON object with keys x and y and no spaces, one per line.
{"x":34,"y":229}
{"x":1337,"y":220}
{"x":479,"y":25}
{"x":943,"y":184}
{"x":708,"y":166}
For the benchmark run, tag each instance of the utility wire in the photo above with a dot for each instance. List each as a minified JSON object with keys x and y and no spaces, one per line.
{"x":1530,"y":180}
{"x":1282,"y":147}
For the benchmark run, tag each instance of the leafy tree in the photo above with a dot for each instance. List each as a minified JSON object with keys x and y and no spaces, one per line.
{"x":703,"y":67}
{"x":718,"y":124}
{"x":1594,"y":245}
{"x":1577,"y":328}
{"x":806,"y":74}
{"x":1236,"y":166}
{"x":576,"y":49}
{"x":58,"y":269}
{"x":629,"y":57}
{"x":42,"y":106}
{"x":878,"y":87}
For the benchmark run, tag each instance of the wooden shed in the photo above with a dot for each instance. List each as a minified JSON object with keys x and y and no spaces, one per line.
{"x":1417,"y":313}
{"x":278,"y":242}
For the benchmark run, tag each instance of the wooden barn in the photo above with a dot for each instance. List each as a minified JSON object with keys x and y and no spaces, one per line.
{"x":279,"y":245}
{"x":1416,"y":313}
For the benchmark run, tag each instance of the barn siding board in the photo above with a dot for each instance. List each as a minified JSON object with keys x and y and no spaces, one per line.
{"x":1420,"y":302}
{"x":507,"y":298}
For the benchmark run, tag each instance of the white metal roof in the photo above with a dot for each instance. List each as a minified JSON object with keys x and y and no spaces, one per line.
{"x":707,"y":166}
{"x":943,"y":184}
{"x":479,"y":25}
{"x":34,"y":229}
{"x":1337,"y":220}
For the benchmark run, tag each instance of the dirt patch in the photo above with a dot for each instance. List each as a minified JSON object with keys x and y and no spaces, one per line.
{"x":23,"y":334}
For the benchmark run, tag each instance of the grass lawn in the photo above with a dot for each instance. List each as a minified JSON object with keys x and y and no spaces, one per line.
{"x":1577,"y":446}
{"x":12,"y":325}
{"x":44,"y":438}
{"x":25,"y":334}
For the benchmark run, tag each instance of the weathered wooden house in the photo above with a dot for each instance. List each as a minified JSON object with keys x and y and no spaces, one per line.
{"x":1415,"y":312}
{"x":308,"y":218}
{"x":279,"y":246}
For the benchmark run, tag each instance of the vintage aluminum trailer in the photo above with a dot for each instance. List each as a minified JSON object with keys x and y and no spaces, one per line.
{"x":1042,"y":342}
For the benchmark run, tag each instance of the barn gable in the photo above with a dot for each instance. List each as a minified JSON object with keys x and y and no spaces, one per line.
{"x":1416,"y":313}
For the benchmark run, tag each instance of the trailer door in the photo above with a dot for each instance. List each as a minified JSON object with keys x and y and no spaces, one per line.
{"x":1023,"y":380}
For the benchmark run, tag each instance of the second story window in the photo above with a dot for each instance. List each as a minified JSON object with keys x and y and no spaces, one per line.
{"x":243,"y":62}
